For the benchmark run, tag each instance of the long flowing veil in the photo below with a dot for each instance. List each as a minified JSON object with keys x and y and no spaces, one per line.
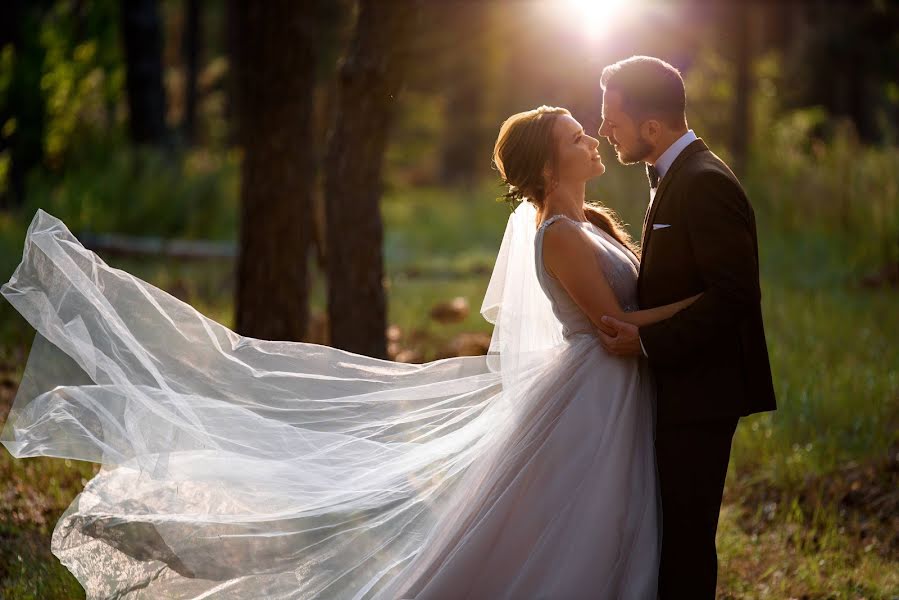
{"x":238,"y":467}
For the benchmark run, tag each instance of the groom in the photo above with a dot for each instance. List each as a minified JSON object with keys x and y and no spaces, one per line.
{"x":710,"y":360}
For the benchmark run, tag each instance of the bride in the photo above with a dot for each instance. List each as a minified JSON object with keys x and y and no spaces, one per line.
{"x":235,"y":467}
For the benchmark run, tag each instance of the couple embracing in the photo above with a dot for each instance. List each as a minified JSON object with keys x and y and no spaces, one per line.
{"x":583,"y":458}
{"x":689,"y":307}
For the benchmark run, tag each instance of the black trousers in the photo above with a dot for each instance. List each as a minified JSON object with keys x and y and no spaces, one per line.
{"x":692,"y":461}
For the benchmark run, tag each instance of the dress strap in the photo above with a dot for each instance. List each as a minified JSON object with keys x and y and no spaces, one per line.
{"x":555,"y":218}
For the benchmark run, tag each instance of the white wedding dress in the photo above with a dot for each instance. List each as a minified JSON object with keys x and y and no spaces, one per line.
{"x":240,"y":468}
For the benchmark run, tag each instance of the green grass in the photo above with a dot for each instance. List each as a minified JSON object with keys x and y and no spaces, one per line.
{"x":30,"y":571}
{"x":34,"y":493}
{"x":834,"y":358}
{"x":793,"y":558}
{"x":442,"y":229}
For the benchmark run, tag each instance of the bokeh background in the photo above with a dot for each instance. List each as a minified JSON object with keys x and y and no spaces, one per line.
{"x":321,"y":171}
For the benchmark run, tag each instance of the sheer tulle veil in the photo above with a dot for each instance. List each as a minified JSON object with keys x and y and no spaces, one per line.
{"x":239,"y":467}
{"x":524,"y":324}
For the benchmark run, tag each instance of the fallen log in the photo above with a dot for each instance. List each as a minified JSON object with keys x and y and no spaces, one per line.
{"x":126,"y":245}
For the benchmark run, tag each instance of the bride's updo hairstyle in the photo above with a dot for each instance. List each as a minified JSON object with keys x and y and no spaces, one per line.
{"x":525,"y":145}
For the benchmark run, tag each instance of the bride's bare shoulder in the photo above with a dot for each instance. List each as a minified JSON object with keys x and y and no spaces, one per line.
{"x":563,"y":241}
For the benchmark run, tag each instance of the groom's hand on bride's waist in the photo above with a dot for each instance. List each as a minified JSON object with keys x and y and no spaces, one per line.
{"x":619,"y":338}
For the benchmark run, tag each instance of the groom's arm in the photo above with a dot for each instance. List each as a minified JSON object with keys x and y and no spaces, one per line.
{"x":719,"y":225}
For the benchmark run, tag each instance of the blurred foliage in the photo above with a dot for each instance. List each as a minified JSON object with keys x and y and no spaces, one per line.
{"x":83,"y":76}
{"x":142,"y":191}
{"x":808,"y":170}
{"x":834,"y":186}
{"x":846,"y":60}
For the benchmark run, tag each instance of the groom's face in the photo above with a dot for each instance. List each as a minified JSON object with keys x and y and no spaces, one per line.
{"x":622,"y":131}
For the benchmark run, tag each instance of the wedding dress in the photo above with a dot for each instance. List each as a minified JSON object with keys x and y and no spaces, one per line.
{"x":234,"y":467}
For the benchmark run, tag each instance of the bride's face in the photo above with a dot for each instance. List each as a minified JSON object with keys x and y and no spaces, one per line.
{"x":577,"y":158}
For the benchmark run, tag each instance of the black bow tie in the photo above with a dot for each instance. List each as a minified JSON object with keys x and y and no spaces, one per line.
{"x":653,"y":175}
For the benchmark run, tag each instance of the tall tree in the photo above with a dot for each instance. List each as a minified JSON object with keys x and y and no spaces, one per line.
{"x":369,"y":80}
{"x":191,"y":51}
{"x":142,"y":33}
{"x":232,"y":42}
{"x":24,"y":106}
{"x":276,"y":62}
{"x":462,"y":159}
{"x":847,"y":62}
{"x":742,"y":56}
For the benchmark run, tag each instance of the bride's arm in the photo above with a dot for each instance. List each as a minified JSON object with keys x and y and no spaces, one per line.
{"x":660,"y":313}
{"x":571,"y":258}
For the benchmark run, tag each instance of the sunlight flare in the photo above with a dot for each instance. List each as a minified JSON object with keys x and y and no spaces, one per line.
{"x":594,"y":16}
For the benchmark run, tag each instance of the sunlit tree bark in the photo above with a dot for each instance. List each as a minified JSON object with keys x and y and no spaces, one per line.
{"x":370,"y":77}
{"x":275,"y":75}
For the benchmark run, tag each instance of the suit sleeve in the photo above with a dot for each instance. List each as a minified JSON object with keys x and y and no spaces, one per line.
{"x":720,"y":226}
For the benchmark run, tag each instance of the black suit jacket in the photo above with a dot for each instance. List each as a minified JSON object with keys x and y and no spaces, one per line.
{"x":710,"y":360}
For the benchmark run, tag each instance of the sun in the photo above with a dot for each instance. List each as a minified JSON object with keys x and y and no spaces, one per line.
{"x":594,"y":16}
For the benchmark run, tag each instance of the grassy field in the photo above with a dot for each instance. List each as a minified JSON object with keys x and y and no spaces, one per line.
{"x":811,"y":504}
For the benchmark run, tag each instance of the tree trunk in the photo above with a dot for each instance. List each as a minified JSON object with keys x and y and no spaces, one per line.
{"x":742,"y":85}
{"x":275,"y":77}
{"x":24,"y":98}
{"x":192,"y":37}
{"x":461,"y":163}
{"x":232,"y":42}
{"x":370,"y":77}
{"x":142,"y":33}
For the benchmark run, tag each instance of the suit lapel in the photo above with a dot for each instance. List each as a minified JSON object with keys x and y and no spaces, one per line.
{"x":681,"y":160}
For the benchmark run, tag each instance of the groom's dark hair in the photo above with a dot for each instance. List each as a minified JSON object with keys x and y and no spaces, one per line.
{"x":649,"y":88}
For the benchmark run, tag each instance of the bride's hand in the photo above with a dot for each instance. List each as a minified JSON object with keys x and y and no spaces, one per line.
{"x":625,"y":339}
{"x":605,"y":328}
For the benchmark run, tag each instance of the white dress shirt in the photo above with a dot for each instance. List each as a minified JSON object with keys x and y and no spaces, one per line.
{"x":662,"y":164}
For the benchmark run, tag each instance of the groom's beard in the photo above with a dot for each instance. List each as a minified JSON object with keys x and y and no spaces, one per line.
{"x":642,"y":149}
